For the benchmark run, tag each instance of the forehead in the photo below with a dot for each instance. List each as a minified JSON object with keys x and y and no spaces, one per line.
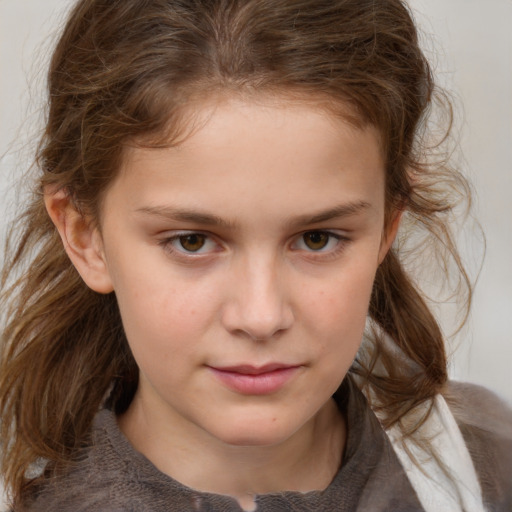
{"x":196,"y":107}
{"x":242,"y":154}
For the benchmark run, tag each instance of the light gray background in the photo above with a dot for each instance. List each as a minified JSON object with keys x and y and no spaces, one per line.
{"x":470,"y":42}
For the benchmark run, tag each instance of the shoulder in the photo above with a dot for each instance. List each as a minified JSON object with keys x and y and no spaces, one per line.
{"x":109,"y":475}
{"x":88,"y":482}
{"x":485,"y":421}
{"x":478,"y":409}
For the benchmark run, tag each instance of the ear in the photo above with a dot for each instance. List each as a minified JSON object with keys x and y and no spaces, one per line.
{"x":82,"y":241}
{"x":389,"y":234}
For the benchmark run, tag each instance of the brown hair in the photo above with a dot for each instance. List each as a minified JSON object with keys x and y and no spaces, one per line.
{"x":122,"y":71}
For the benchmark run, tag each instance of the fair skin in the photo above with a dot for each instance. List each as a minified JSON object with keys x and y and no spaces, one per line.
{"x":243,"y":262}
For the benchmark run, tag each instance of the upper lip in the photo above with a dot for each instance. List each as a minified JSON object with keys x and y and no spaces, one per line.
{"x":248,"y":369}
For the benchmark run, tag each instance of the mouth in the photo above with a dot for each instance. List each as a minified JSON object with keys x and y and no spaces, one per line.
{"x":255,"y":380}
{"x":247,"y":369}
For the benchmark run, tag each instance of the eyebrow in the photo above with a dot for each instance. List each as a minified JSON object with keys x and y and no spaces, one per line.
{"x":342,"y":210}
{"x":208,"y":219}
{"x":186,"y":215}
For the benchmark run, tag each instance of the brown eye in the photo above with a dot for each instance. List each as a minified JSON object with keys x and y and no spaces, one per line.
{"x":193,"y":242}
{"x":316,"y":240}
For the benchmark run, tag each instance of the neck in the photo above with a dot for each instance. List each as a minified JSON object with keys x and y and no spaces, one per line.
{"x":306,"y":461}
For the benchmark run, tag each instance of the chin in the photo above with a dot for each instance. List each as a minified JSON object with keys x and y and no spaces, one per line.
{"x":256,"y":433}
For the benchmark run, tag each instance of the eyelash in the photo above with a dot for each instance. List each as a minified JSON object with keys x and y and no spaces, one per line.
{"x":167,"y":244}
{"x":322,"y":254}
{"x":341,"y":242}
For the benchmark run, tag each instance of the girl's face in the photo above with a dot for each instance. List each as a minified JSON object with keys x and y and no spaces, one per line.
{"x":243,"y":262}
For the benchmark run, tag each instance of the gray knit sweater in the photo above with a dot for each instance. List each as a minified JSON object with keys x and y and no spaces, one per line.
{"x":111,"y":476}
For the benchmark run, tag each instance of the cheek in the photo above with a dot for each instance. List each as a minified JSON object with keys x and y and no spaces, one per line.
{"x":163,"y":331}
{"x":163,"y":317}
{"x":336,"y":310}
{"x":346,"y":294}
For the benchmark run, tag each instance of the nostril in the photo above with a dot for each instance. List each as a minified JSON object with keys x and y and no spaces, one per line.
{"x":257,"y":327}
{"x":258,"y":305}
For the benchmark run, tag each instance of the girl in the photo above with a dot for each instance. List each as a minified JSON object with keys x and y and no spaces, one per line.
{"x":214,"y":233}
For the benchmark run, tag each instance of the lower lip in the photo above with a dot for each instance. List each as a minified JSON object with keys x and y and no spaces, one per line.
{"x":261,"y":384}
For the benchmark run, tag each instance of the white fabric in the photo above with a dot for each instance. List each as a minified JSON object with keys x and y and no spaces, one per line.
{"x":435,"y":458}
{"x":450,"y":483}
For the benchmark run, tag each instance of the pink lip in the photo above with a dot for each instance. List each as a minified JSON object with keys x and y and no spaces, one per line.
{"x":252,"y":380}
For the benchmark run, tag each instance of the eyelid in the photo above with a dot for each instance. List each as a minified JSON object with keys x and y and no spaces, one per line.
{"x":167,"y":243}
{"x":189,"y":257}
{"x":342,"y":241}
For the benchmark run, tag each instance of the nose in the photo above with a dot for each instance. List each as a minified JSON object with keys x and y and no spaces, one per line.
{"x":258,"y":306}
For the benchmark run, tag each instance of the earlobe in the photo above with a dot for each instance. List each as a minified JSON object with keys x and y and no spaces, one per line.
{"x":82,"y":241}
{"x":389,"y":234}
